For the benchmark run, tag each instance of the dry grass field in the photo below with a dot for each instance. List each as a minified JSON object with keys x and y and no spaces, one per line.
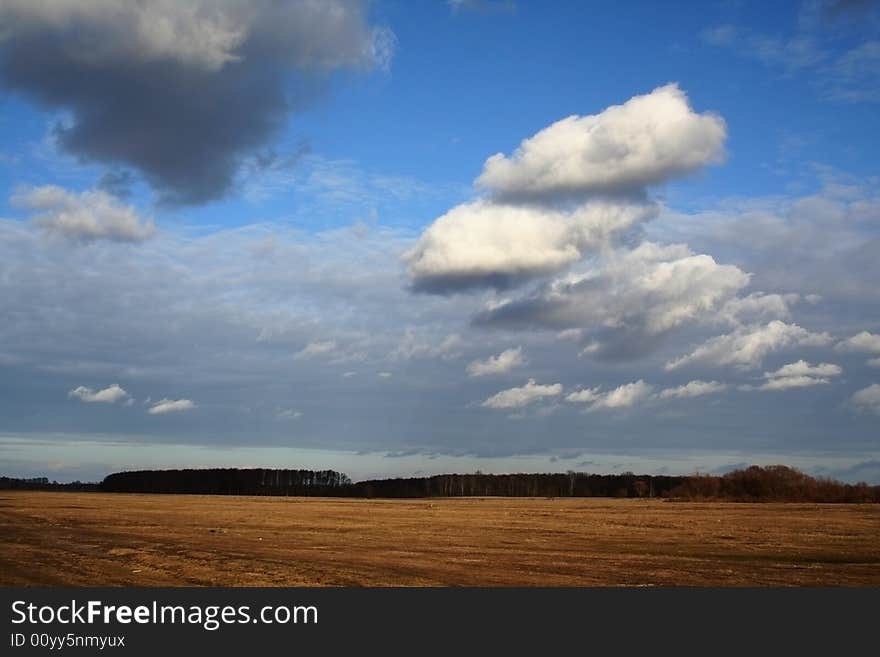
{"x":151,"y":540}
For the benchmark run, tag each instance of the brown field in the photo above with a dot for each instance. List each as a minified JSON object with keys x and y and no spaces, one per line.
{"x":95,"y":539}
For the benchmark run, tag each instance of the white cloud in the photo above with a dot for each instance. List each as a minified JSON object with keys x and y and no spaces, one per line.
{"x":800,"y":375}
{"x":109,"y":395}
{"x":867,"y":399}
{"x":503,"y":362}
{"x":385,"y":375}
{"x":746,"y":347}
{"x":488,"y":244}
{"x":649,"y":290}
{"x":757,"y":307}
{"x":523,"y":396}
{"x":645,"y":141}
{"x":624,"y":396}
{"x":88,"y":216}
{"x":288,"y":414}
{"x":864,"y":341}
{"x":171,"y":406}
{"x":349,"y":374}
{"x":585,"y":396}
{"x":694,"y":388}
{"x":316,"y":348}
{"x":551,"y":202}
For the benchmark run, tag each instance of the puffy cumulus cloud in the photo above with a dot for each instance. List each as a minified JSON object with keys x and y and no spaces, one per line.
{"x":865,"y":342}
{"x":867,"y":399}
{"x":523,"y":396}
{"x":584,"y":396}
{"x":841,"y":217}
{"x":757,"y":307}
{"x":746,"y":346}
{"x":87,"y":216}
{"x":624,"y":396}
{"x":639,"y":392}
{"x":567,"y":192}
{"x":487,"y":244}
{"x":800,"y":375}
{"x":181,"y":92}
{"x":109,"y":395}
{"x":628,"y":297}
{"x":694,"y":388}
{"x":645,"y":141}
{"x":500,"y":364}
{"x":164,"y":406}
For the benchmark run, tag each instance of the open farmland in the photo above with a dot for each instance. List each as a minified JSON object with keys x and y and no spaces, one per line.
{"x":92,"y":539}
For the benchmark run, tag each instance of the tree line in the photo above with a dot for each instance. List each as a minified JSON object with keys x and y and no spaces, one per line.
{"x":569,"y":484}
{"x":43,"y":483}
{"x":227,"y":481}
{"x":775,"y":483}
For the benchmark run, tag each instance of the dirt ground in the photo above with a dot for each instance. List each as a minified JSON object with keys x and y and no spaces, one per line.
{"x":95,"y":539}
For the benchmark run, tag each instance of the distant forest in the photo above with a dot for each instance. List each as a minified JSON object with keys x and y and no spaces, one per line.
{"x":775,"y":483}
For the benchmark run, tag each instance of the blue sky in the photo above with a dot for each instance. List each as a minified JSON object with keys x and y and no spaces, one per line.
{"x":280,"y":235}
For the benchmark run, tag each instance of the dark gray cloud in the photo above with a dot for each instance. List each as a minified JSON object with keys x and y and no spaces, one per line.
{"x":181,"y":92}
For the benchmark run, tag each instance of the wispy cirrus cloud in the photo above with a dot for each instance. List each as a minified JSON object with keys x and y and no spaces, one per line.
{"x":846,"y":72}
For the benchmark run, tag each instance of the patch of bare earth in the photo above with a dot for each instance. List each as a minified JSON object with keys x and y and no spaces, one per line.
{"x":94,"y":539}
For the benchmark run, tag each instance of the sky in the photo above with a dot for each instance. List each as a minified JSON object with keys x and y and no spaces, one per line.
{"x":405,"y":238}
